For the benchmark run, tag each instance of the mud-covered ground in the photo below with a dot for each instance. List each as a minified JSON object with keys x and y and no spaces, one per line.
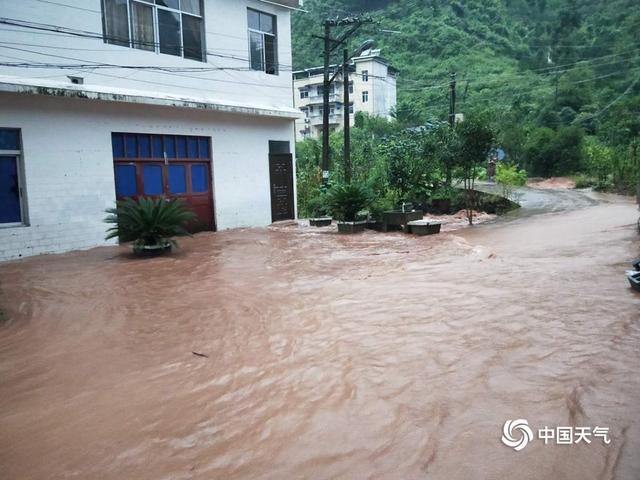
{"x":368,"y":356}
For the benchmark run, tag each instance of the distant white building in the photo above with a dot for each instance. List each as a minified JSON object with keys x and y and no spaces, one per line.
{"x":107,"y":99}
{"x":372,"y":83}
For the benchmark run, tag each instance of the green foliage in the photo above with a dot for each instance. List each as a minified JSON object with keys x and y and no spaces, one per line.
{"x":509,"y":177}
{"x":317,"y":206}
{"x":147,"y":222}
{"x":599,"y":162}
{"x":389,"y":201}
{"x":346,"y":201}
{"x":535,"y":65}
{"x":585,"y":181}
{"x":411,"y":164}
{"x":475,"y":137}
{"x":551,"y":152}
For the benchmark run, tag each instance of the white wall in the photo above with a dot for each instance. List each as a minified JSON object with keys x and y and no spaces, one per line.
{"x":226,"y":34}
{"x":69,"y":165}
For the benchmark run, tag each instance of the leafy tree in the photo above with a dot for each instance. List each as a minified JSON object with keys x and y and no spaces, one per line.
{"x":599,"y":161}
{"x":411,"y":164}
{"x":476,"y":139}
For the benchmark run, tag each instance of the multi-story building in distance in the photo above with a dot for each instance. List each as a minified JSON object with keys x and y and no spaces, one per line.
{"x":372,"y":87}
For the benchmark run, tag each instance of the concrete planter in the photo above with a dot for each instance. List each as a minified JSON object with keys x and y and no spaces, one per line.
{"x":351,"y":227}
{"x":374,"y":225}
{"x":398,"y":219}
{"x":148,"y":251}
{"x":423,"y":227}
{"x":320,"y":222}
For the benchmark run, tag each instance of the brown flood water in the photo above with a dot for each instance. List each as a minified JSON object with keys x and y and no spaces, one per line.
{"x":352,"y":357}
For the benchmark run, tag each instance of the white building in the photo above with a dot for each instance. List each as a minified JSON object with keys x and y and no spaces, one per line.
{"x":372,"y":89}
{"x":107,"y":99}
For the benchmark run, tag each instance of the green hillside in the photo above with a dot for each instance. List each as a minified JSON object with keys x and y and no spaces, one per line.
{"x":559,"y":64}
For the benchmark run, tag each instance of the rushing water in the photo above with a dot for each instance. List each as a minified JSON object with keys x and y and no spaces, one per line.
{"x":370,"y":356}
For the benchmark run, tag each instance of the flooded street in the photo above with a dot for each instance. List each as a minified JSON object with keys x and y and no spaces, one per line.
{"x":373,"y":356}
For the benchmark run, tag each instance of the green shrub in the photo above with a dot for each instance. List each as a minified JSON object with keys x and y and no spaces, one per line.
{"x":509,"y":177}
{"x":317,"y":206}
{"x":148,"y":222}
{"x":585,"y":181}
{"x":345,"y":202}
{"x":390,"y":201}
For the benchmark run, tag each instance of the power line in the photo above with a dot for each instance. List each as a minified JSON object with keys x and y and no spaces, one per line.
{"x":62,"y":30}
{"x":147,"y":82}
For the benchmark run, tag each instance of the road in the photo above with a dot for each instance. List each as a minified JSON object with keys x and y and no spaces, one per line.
{"x":373,"y":356}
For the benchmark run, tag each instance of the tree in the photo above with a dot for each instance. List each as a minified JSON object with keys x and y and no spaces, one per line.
{"x":599,"y":160}
{"x":411,"y":164}
{"x":446,"y":150}
{"x":475,"y":141}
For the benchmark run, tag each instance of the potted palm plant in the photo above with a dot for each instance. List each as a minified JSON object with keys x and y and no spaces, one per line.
{"x":346,"y":203}
{"x":150,"y":224}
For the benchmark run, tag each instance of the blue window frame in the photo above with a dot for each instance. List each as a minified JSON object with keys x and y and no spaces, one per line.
{"x":182,"y":146}
{"x":9,"y":139}
{"x":132,"y":146}
{"x":152,"y":178}
{"x":199,"y":178}
{"x":117,"y":143}
{"x":153,"y":165}
{"x":203,"y":144}
{"x":170,"y":146}
{"x":11,"y":210}
{"x":192,"y":147}
{"x":145,"y":146}
{"x":126,"y":181}
{"x":177,"y":179}
{"x":157,"y":148}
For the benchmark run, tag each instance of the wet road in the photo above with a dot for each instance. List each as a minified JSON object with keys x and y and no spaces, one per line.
{"x":351,"y":357}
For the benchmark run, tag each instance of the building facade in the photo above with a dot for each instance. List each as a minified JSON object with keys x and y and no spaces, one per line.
{"x":103,"y":100}
{"x":372,"y":88}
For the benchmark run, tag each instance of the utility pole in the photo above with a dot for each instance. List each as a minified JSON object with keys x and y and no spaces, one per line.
{"x":347,"y":133}
{"x":452,"y":100}
{"x":330,"y":45}
{"x":325,"y":104}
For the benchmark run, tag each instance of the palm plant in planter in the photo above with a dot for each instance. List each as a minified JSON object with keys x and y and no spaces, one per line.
{"x":345,"y":203}
{"x":150,"y":224}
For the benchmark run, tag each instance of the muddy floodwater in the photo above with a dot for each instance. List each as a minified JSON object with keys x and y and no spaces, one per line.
{"x":373,"y":356}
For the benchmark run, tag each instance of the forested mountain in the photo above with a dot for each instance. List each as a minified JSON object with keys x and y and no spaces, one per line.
{"x":537,"y":66}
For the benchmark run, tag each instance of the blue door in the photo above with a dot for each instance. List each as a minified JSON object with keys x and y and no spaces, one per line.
{"x":10,"y":211}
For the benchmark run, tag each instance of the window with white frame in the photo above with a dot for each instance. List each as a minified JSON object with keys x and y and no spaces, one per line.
{"x":365,"y":96}
{"x":365,"y":75}
{"x":12,"y":211}
{"x":304,"y":92}
{"x":351,"y":87}
{"x":263,"y":41}
{"x":173,"y":27}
